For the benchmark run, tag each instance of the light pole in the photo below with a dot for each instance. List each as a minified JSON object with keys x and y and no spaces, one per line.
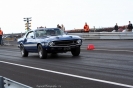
{"x":27,"y":24}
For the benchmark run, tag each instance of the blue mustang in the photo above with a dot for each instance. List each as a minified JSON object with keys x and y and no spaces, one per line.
{"x":49,"y":40}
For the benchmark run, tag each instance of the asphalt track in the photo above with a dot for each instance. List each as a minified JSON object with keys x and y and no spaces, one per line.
{"x":109,"y":65}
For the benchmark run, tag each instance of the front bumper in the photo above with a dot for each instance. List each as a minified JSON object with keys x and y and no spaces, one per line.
{"x":61,"y":48}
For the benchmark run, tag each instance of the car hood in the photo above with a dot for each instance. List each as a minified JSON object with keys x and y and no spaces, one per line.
{"x":61,"y":37}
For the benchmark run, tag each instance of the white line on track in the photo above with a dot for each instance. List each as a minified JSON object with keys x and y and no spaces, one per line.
{"x":72,"y":75}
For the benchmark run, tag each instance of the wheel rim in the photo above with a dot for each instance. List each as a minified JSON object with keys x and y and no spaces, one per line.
{"x":40,"y":52}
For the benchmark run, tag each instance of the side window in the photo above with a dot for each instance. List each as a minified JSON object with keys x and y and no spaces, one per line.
{"x":30,"y":34}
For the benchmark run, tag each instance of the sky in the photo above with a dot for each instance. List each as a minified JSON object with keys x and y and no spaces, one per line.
{"x":71,"y":13}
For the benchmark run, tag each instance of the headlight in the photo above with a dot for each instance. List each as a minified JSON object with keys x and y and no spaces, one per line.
{"x":79,"y":41}
{"x":51,"y":44}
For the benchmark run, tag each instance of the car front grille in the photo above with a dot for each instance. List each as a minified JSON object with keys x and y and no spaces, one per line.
{"x":65,"y":43}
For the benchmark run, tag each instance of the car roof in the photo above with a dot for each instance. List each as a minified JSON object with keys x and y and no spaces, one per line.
{"x":44,"y":29}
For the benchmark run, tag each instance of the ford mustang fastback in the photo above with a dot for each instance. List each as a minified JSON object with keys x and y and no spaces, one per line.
{"x":48,"y":40}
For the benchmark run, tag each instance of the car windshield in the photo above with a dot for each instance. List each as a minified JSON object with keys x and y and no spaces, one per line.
{"x":49,"y":32}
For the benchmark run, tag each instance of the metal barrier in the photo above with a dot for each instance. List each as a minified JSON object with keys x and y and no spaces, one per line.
{"x":8,"y":83}
{"x":105,"y":35}
{"x":1,"y":82}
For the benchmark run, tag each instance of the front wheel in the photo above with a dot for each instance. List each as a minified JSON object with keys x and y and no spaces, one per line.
{"x":24,"y":53}
{"x":41,"y":52}
{"x":75,"y":51}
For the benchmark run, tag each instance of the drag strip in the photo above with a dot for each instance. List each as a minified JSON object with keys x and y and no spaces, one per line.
{"x":99,"y":68}
{"x":66,"y":74}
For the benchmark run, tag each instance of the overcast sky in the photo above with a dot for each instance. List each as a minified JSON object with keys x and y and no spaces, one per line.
{"x":71,"y":13}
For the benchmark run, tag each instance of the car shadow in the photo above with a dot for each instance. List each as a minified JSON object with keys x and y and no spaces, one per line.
{"x":59,"y":56}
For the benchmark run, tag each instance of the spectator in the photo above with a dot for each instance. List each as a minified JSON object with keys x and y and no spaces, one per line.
{"x":129,"y":27}
{"x":86,"y":28}
{"x":58,"y":26}
{"x":63,"y":28}
{"x":116,"y":27}
{"x":1,"y":34}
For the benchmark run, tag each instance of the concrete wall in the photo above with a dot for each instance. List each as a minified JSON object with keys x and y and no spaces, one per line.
{"x":105,"y":35}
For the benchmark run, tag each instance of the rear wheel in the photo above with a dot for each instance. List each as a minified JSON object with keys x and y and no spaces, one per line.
{"x":24,"y":53}
{"x":75,"y":51}
{"x":54,"y":53}
{"x":41,"y":52}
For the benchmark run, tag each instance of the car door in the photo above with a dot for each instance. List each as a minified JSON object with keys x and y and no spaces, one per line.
{"x":30,"y":42}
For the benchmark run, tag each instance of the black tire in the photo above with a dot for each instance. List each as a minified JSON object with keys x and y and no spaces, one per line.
{"x":53,"y":53}
{"x":75,"y":51}
{"x":41,"y":52}
{"x":24,"y":53}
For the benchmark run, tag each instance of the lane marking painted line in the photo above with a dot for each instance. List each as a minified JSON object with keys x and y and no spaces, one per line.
{"x":72,"y":75}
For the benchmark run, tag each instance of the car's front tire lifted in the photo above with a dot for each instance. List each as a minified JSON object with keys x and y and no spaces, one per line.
{"x":75,"y":51}
{"x":41,"y":52}
{"x":24,"y":53}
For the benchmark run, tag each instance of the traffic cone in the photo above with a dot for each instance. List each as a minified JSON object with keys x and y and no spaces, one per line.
{"x":90,"y":47}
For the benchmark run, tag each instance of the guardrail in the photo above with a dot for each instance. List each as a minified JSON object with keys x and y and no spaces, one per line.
{"x":105,"y":35}
{"x":8,"y":83}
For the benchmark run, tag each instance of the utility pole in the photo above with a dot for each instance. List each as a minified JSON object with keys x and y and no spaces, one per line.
{"x":27,"y":24}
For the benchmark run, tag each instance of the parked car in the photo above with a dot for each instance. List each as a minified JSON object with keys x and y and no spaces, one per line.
{"x":49,"y":40}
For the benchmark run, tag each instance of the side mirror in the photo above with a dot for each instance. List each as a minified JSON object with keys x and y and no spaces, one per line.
{"x":32,"y":37}
{"x":25,"y":40}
